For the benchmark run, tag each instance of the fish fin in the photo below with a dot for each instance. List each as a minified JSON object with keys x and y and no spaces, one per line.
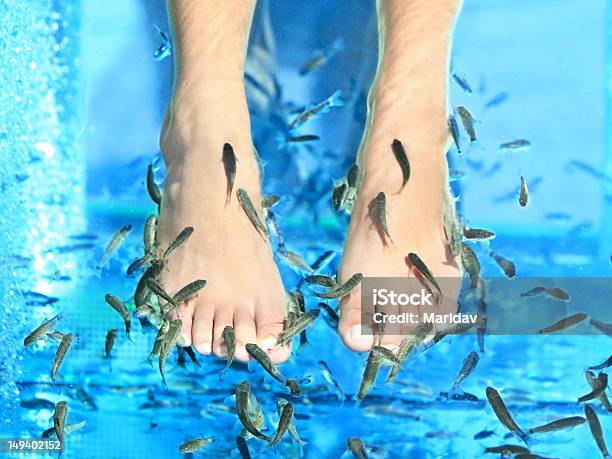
{"x":335,"y":100}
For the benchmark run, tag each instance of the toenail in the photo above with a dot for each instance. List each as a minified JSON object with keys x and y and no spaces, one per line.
{"x":268,"y":343}
{"x":182,"y":340}
{"x":204,"y":348}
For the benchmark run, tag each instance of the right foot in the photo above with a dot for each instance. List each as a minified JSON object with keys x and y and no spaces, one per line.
{"x":244,"y":288}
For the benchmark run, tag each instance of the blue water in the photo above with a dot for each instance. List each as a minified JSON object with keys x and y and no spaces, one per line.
{"x":550,"y":60}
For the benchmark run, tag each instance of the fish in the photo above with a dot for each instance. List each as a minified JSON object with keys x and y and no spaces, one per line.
{"x":601,"y":366}
{"x":154,"y":192}
{"x":478,"y":233}
{"x":496,"y":100}
{"x":352,"y":176}
{"x":369,"y":374}
{"x":119,"y":306}
{"x":229,"y":164}
{"x":321,"y":58}
{"x":400,"y":155}
{"x":559,"y":424}
{"x":536,"y":291}
{"x":280,"y":404}
{"x":339,"y":195}
{"x":463,"y":83}
{"x":165,"y":48}
{"x":331,"y":316}
{"x":243,"y":448}
{"x":170,"y":339}
{"x":324,"y":259}
{"x":598,"y":384}
{"x":187,"y":292}
{"x":585,"y":167}
{"x":191,"y":446}
{"x":454,"y":131}
{"x":302,"y":138}
{"x":507,"y":449}
{"x":356,"y":447}
{"x":243,"y":392}
{"x":502,"y":413}
{"x":386,"y":354}
{"x":285,"y":419}
{"x":602,"y":327}
{"x":59,"y":421}
{"x":159,"y":340}
{"x":603,"y":398}
{"x":60,"y":354}
{"x":149,"y":235}
{"x":159,"y":290}
{"x":483,"y":434}
{"x":192,"y":356}
{"x":249,"y":210}
{"x":294,"y":260}
{"x":42,"y":330}
{"x":269,"y":201}
{"x":114,"y":244}
{"x":109,"y":342}
{"x":86,"y":400}
{"x":507,"y":266}
{"x":320,"y":279}
{"x":229,"y":339}
{"x":454,"y":175}
{"x":596,"y":430}
{"x":559,"y":294}
{"x":68,"y":429}
{"x":469,"y":365}
{"x":335,"y":100}
{"x":179,"y":240}
{"x":407,"y":346}
{"x":424,"y":270}
{"x":142,"y":292}
{"x":300,"y":324}
{"x":470,"y":263}
{"x":37,"y":403}
{"x":468,"y":122}
{"x":344,"y":289}
{"x":381,"y":213}
{"x":523,"y":193}
{"x":264,"y":360}
{"x":517,"y":144}
{"x":329,"y":378}
{"x":564,"y":323}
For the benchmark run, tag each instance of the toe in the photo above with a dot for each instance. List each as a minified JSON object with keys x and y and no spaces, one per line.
{"x":351,"y":331}
{"x":186,"y":316}
{"x":223,"y":318}
{"x":244,"y":328}
{"x":202,"y":330}
{"x":268,"y":332}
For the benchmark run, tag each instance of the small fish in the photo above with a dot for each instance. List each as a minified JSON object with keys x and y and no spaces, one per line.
{"x":602,"y":327}
{"x":192,"y":356}
{"x":164,"y":49}
{"x":243,"y":392}
{"x":496,"y":100}
{"x":159,"y":290}
{"x":119,"y":306}
{"x":179,"y":240}
{"x":470,"y":263}
{"x":60,"y":354}
{"x":603,"y":398}
{"x":109,"y":342}
{"x":344,"y":289}
{"x":356,"y":448}
{"x":369,"y":374}
{"x":300,"y":324}
{"x":142,"y":292}
{"x":454,"y":131}
{"x":264,"y":360}
{"x":280,"y":404}
{"x":424,"y":270}
{"x":469,"y":365}
{"x":599,"y":385}
{"x":564,"y":323}
{"x":42,"y":330}
{"x":114,"y":244}
{"x":506,"y":449}
{"x":86,"y":399}
{"x":331,"y":316}
{"x":329,"y":378}
{"x":320,"y":279}
{"x":324,"y":259}
{"x":294,"y":260}
{"x":311,"y":111}
{"x":400,"y":155}
{"x":159,"y":340}
{"x":478,"y":233}
{"x":483,"y":434}
{"x":250,"y":211}
{"x":229,"y":339}
{"x":269,"y":201}
{"x":407,"y":346}
{"x":152,"y":188}
{"x":229,"y":164}
{"x":285,"y":419}
{"x":559,"y":424}
{"x":559,"y":294}
{"x":468,"y":122}
{"x":59,"y":421}
{"x":302,"y":138}
{"x":321,"y":58}
{"x":149,"y":235}
{"x":352,"y":176}
{"x":463,"y":83}
{"x":502,"y":413}
{"x":187,"y":292}
{"x":536,"y":291}
{"x":523,"y":193}
{"x":386,"y":354}
{"x":517,"y":144}
{"x":68,"y":429}
{"x":170,"y":339}
{"x":603,"y":365}
{"x":243,"y":448}
{"x":339,"y":195}
{"x":507,"y":266}
{"x":191,"y":446}
{"x":596,"y":430}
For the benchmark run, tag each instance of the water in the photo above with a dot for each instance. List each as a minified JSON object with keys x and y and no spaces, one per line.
{"x":553,"y":70}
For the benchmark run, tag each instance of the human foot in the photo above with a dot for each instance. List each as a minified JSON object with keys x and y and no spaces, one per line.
{"x":244,"y":288}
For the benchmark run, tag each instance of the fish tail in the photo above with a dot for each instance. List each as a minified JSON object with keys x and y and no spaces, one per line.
{"x":335,"y":100}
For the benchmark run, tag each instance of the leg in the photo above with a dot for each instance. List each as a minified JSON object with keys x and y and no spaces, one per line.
{"x":407,"y":101}
{"x":208,"y":108}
